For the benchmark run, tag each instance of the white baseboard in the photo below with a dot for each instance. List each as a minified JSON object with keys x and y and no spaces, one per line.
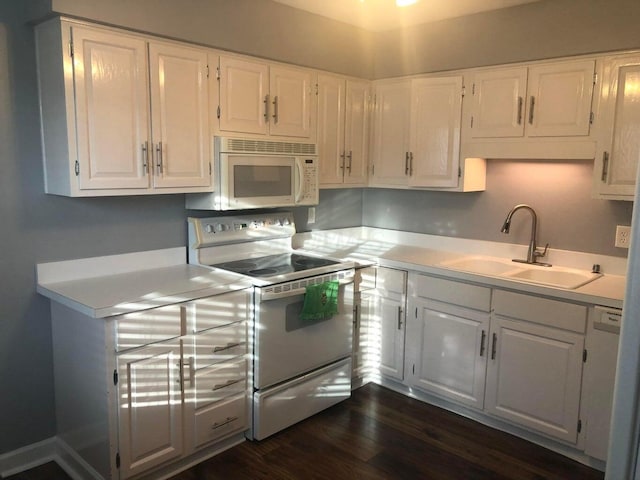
{"x":50,"y":450}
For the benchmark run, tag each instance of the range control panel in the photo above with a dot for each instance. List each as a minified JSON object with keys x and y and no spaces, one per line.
{"x":205,"y":232}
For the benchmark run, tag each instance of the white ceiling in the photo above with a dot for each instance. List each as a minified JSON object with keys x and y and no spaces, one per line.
{"x":378,"y":15}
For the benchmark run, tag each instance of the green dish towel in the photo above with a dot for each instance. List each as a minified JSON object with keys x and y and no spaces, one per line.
{"x":320,"y":301}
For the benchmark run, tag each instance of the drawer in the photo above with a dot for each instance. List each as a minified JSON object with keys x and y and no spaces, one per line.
{"x":218,"y":382}
{"x":544,"y":311}
{"x":219,"y":310}
{"x":607,"y":319}
{"x":391,"y":281}
{"x":455,"y":293}
{"x":149,"y":326}
{"x":365,"y":279}
{"x":221,"y":419}
{"x":219,"y":344}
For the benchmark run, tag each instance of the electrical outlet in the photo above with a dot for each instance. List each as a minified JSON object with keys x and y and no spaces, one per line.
{"x":311,"y":215}
{"x":623,"y":236}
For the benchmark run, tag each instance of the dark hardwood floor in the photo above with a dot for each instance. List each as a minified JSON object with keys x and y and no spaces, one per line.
{"x":379,"y":434}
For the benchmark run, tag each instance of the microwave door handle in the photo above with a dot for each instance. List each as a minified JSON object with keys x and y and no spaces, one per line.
{"x":299,"y":183}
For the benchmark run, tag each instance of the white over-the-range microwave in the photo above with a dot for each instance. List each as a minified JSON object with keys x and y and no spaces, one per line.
{"x":258,"y":173}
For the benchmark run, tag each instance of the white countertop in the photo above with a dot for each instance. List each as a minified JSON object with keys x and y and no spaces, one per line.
{"x":425,"y":253}
{"x":105,"y":286}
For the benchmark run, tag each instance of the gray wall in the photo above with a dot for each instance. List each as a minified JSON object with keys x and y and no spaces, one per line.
{"x":41,"y":228}
{"x":568,"y":218}
{"x":546,"y":29}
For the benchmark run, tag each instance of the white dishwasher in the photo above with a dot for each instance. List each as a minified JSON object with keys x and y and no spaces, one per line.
{"x":603,"y":332}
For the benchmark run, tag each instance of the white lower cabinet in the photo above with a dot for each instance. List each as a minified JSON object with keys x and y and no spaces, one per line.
{"x":140,"y":394}
{"x":513,"y":356}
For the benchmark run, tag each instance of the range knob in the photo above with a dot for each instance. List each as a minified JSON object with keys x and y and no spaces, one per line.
{"x":209,"y":228}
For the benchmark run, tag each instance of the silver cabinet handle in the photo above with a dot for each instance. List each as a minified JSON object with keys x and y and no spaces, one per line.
{"x":342,"y":156}
{"x":532,"y":105}
{"x":275,"y":109}
{"x":228,"y":346}
{"x":605,"y":166}
{"x":482,"y":339}
{"x":493,"y":346}
{"x":356,"y":315}
{"x":266,"y":108}
{"x":410,"y":164}
{"x":145,"y":157}
{"x":350,"y":157}
{"x":399,"y":318}
{"x":159,"y":157}
{"x":222,"y":424}
{"x":520,"y":104}
{"x":226,"y":384}
{"x":406,"y":163}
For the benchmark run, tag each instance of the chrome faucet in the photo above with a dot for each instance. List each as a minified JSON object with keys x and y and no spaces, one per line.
{"x":532,"y":253}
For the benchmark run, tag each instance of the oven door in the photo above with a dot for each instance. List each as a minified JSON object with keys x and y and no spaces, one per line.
{"x":256,"y":181}
{"x":286,"y":346}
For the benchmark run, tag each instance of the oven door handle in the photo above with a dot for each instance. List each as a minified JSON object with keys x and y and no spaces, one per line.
{"x":266,"y":296}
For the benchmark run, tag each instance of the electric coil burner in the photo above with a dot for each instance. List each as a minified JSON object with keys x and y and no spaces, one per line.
{"x":300,"y":366}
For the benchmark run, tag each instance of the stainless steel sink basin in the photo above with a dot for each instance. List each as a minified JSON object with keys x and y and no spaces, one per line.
{"x":559,"y":277}
{"x":555,"y":277}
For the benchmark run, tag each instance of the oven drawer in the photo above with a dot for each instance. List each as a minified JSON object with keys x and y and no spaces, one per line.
{"x":221,"y":419}
{"x":220,"y":381}
{"x":219,"y":344}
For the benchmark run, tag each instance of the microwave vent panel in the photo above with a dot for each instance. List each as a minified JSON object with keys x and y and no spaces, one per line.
{"x":243,"y":145}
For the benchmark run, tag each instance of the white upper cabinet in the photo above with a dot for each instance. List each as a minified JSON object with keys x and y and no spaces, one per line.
{"x":436,"y":115}
{"x":101,"y":91}
{"x":539,"y":111}
{"x":619,"y":136}
{"x":343,"y":117}
{"x":259,"y":99}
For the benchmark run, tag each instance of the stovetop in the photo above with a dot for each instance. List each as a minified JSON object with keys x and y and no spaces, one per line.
{"x":274,"y":265}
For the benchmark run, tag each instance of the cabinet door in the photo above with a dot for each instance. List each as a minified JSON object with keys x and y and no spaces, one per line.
{"x":390,"y":142}
{"x":449,"y":350}
{"x":112,"y":109}
{"x":180,"y":117}
{"x":619,"y":144}
{"x":331,"y":153}
{"x":356,"y":136}
{"x":290,"y":91}
{"x":390,"y":323}
{"x":150,"y":407}
{"x":534,"y":376}
{"x":436,"y":113}
{"x":244,"y":102}
{"x":498,"y":103}
{"x":560,"y":99}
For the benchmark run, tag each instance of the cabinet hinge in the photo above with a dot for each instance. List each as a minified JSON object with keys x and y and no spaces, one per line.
{"x":413,"y":369}
{"x":473,"y":89}
{"x":218,"y":111}
{"x":416,"y":312}
{"x":591,"y":118}
{"x":207,"y":71}
{"x":115,"y":377}
{"x":209,"y":168}
{"x":464,"y":90}
{"x":459,"y":172}
{"x":579,"y":426}
{"x":70,"y":48}
{"x":595,"y":78}
{"x":317,"y":89}
{"x":471,"y":122}
{"x":118,"y":460}
{"x":584,"y":356}
{"x":77,"y":168}
{"x":373,"y":169}
{"x":217,"y":73}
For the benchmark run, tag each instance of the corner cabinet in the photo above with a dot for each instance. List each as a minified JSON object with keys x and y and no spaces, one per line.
{"x":258,"y":98}
{"x":618,"y":152}
{"x":121,"y":114}
{"x":416,"y":136}
{"x":343,"y":131}
{"x":151,"y":392}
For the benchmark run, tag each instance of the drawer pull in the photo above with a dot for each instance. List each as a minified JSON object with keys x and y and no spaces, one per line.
{"x":222,"y":424}
{"x":226,"y":347}
{"x":226,"y":384}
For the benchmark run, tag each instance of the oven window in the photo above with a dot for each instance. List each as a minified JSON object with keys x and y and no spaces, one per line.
{"x":262,"y":181}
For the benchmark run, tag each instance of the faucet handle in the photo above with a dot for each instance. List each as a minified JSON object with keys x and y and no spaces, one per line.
{"x":543,"y":253}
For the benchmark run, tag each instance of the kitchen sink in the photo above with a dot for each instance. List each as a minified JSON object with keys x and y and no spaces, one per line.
{"x":559,"y":277}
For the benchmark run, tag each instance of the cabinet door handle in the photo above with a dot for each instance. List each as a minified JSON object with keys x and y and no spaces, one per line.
{"x":350,"y":157}
{"x":275,"y":109}
{"x":180,"y":379}
{"x":145,"y":157}
{"x":532,"y":104}
{"x":399,"y":318}
{"x":410,"y":164}
{"x":605,"y":166}
{"x":222,"y":424}
{"x":342,"y":156}
{"x":159,"y":158}
{"x":482,"y":339}
{"x":356,"y":315}
{"x":226,"y":347}
{"x":493,"y":346}
{"x":406,"y":163}
{"x":520,"y":104}
{"x":266,"y":108}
